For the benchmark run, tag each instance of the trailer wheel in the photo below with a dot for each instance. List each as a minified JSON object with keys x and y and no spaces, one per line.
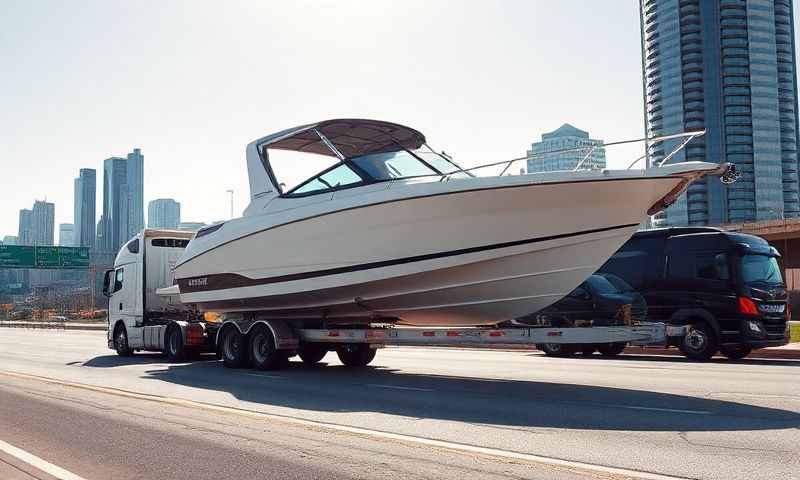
{"x":121,"y":341}
{"x":556,"y":349}
{"x":611,"y":349}
{"x":233,"y":349}
{"x":735,"y":352}
{"x":263,"y":352}
{"x":311,"y":353}
{"x":700,"y":342}
{"x":174,"y":348}
{"x":355,"y":355}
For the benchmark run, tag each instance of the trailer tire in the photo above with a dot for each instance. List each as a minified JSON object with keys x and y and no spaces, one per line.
{"x":263,"y":353}
{"x":311,"y":353}
{"x":700,"y":342}
{"x":355,"y":355}
{"x":233,"y":349}
{"x":556,"y":349}
{"x":121,"y":341}
{"x":611,"y":349}
{"x":735,"y":352}
{"x":174,"y":346}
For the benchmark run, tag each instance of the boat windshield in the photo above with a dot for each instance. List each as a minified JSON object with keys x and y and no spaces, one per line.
{"x":379,"y":167}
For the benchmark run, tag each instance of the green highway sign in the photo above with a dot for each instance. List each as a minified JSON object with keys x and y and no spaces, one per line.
{"x":23,"y":256}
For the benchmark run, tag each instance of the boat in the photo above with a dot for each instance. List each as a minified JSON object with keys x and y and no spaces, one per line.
{"x":394,"y":232}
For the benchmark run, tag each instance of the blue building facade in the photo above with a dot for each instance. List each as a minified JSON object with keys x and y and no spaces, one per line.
{"x":726,"y":66}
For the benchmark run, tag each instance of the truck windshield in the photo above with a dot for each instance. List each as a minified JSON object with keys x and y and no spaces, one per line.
{"x":760,"y":269}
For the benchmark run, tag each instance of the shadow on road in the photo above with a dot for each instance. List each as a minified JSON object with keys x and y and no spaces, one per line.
{"x":508,"y":403}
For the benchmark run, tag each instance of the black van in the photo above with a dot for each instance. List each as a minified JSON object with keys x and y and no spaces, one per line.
{"x":726,"y":287}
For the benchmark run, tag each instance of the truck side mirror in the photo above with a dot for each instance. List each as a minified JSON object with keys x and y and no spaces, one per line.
{"x":107,"y":283}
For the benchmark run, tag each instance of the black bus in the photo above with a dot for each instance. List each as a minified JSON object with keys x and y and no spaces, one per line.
{"x":725,"y":287}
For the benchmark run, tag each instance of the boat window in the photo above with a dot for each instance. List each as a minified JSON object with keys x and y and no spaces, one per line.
{"x":339,"y":176}
{"x":388,"y":166}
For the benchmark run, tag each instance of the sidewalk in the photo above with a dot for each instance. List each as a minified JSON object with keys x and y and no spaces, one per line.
{"x":53,"y":325}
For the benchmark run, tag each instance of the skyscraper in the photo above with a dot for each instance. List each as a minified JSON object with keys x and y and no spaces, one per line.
{"x":135,"y":191}
{"x":115,"y":216}
{"x":66,"y":234}
{"x":565,"y":137}
{"x":25,"y":227}
{"x":726,"y":66}
{"x":44,"y":221}
{"x":85,"y":208}
{"x":163,"y":213}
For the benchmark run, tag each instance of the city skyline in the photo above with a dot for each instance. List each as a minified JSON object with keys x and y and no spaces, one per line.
{"x":565,"y":137}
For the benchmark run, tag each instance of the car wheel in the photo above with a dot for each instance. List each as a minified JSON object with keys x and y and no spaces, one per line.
{"x":735,"y":352}
{"x":700,"y":342}
{"x":556,"y":349}
{"x":611,"y":349}
{"x":311,"y":354}
{"x":355,"y":355}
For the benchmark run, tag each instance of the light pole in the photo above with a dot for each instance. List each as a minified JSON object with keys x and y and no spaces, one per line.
{"x":231,"y":192}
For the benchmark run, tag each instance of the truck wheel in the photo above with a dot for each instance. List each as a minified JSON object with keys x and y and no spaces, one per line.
{"x":175,"y":350}
{"x":233,"y":349}
{"x":311,"y":353}
{"x":263,"y":352}
{"x":700,"y":342}
{"x":355,"y":355}
{"x":556,"y":349}
{"x":121,"y":342}
{"x":611,"y":349}
{"x":735,"y":352}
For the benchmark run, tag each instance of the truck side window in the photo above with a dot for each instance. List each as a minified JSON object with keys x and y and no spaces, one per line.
{"x":119,"y":276}
{"x":711,"y":266}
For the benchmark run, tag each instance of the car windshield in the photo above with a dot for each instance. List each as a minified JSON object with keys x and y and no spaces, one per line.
{"x":760,"y":269}
{"x":619,"y":283}
{"x":600,"y":284}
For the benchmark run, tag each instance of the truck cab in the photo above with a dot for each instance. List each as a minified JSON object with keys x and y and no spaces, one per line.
{"x":139,"y":318}
{"x":725,"y":287}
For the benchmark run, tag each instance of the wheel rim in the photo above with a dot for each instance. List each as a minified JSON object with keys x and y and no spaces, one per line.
{"x":696,"y":340}
{"x":232,"y":346}
{"x":260,"y":348}
{"x":554,"y":347}
{"x":122,"y":340}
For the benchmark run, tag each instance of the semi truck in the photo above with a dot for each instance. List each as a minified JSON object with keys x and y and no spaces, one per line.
{"x":145,"y":314}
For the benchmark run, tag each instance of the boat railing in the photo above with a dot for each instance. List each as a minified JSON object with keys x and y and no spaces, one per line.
{"x":648,"y":141}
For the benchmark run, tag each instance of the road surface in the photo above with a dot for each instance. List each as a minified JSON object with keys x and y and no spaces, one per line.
{"x":417,"y":413}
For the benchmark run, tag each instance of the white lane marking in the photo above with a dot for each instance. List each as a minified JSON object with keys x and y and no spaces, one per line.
{"x":37,"y":462}
{"x":262,"y":375}
{"x":399,"y":387}
{"x":459,"y":447}
{"x":653,"y":409}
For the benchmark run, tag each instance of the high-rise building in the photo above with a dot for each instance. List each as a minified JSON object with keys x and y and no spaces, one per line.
{"x":547,"y":155}
{"x":10,"y":240}
{"x":44,"y":221}
{"x":85,"y":208}
{"x":191,"y":226}
{"x":115,"y":216}
{"x":66,"y":234}
{"x":25,"y":228}
{"x":163,"y":213}
{"x":726,"y":66}
{"x":135,"y":191}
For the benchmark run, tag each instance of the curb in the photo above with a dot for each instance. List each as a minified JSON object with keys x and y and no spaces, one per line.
{"x":54,"y":326}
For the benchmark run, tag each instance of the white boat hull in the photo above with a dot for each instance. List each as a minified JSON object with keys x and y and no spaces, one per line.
{"x":470,"y":252}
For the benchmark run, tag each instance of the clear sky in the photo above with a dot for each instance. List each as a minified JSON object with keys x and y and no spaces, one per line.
{"x":191,"y":83}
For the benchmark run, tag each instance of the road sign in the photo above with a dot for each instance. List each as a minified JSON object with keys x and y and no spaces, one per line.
{"x":23,"y":256}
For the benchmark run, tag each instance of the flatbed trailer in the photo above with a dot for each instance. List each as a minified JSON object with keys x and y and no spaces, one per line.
{"x":145,"y":314}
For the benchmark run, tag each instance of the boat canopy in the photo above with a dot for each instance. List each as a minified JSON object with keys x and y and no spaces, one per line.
{"x":346,"y":138}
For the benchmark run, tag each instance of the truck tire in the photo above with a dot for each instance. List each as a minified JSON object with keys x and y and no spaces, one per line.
{"x":173,"y":345}
{"x":735,"y":352}
{"x":121,"y":341}
{"x":611,"y":349}
{"x":700,"y":342}
{"x":233,"y":349}
{"x":556,"y":349}
{"x":263,"y":353}
{"x":355,"y":355}
{"x":311,"y":353}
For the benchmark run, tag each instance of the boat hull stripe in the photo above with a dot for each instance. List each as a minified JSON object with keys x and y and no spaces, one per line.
{"x":222,"y":281}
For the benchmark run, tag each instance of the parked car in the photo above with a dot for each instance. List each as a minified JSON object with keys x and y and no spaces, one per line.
{"x":601,"y":300}
{"x":725,"y":287}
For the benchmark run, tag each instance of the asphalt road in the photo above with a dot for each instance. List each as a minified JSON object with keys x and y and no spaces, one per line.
{"x":664,"y":415}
